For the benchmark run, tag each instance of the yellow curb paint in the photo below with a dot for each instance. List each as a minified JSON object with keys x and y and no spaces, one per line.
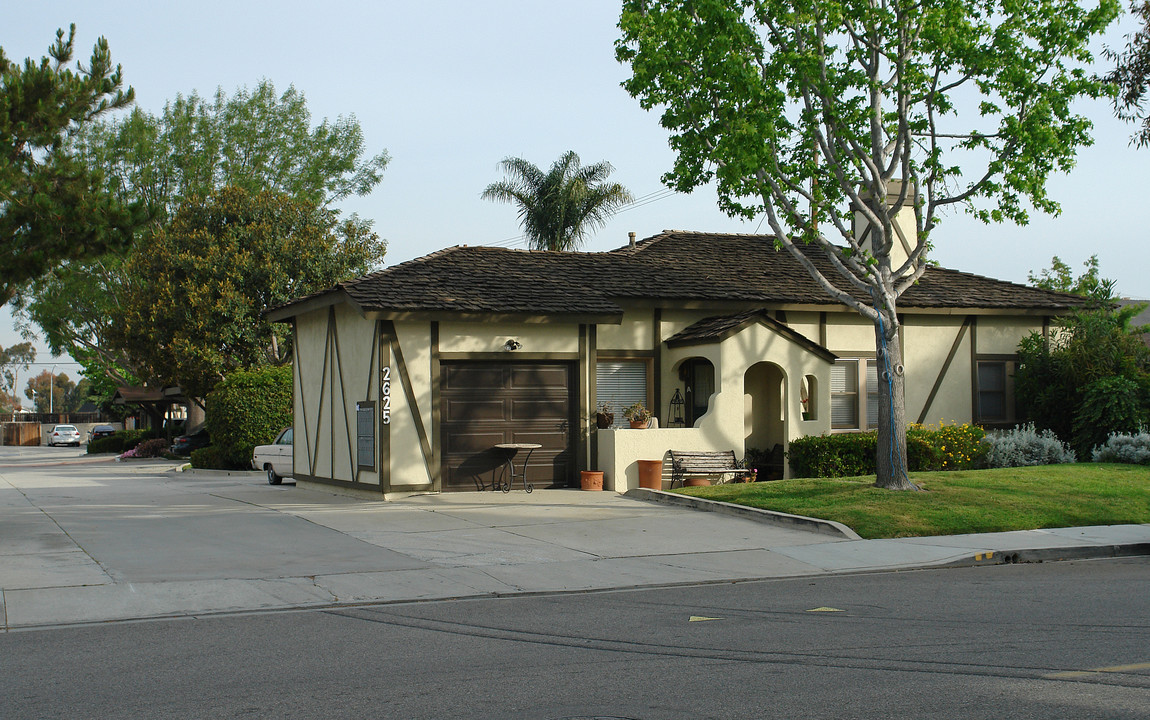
{"x":825,"y":609}
{"x":983,"y":556}
{"x":1096,"y":671}
{"x":699,"y":618}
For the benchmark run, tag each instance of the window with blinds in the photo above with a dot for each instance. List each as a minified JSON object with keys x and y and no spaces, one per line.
{"x":845,"y":395}
{"x":621,"y":383}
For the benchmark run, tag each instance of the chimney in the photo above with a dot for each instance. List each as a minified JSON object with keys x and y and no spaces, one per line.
{"x":631,"y":237}
{"x":905,"y":232}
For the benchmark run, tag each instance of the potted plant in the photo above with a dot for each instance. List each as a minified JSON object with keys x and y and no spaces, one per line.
{"x":638,"y":414}
{"x":604,"y":417}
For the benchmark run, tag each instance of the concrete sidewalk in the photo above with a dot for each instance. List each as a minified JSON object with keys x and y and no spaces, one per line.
{"x":89,"y":543}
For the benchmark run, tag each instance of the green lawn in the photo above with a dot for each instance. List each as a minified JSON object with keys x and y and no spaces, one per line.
{"x":959,"y":502}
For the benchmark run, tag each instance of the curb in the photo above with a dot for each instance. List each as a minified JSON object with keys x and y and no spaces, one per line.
{"x":825,"y":527}
{"x":1053,"y":554}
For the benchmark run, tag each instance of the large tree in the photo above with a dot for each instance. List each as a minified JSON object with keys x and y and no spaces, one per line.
{"x":559,"y":207}
{"x":809,"y":111}
{"x":1131,"y":74}
{"x":53,"y":206}
{"x":192,"y":310}
{"x":256,"y":140}
{"x":13,"y":359}
{"x":53,"y":392}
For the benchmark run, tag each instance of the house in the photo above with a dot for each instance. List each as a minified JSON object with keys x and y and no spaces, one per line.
{"x":407,"y":378}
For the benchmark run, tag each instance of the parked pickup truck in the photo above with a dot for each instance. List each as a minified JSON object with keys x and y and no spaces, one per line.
{"x":275,"y":459}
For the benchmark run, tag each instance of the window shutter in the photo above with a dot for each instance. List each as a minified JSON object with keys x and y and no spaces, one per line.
{"x":871,"y":394}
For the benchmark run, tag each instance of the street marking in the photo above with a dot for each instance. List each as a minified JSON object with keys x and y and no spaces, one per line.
{"x":981,"y":556}
{"x":825,"y":609}
{"x":700,"y":618}
{"x":1096,"y":671}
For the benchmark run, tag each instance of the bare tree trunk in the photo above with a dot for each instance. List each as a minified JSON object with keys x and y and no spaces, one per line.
{"x":890,"y":459}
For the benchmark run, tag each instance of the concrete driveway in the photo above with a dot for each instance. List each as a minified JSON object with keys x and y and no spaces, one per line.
{"x":85,"y":540}
{"x":91,"y":541}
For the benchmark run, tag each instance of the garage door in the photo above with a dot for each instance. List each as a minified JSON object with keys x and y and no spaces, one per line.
{"x":484,"y":404}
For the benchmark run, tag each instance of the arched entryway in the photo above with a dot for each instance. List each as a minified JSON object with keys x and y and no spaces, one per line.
{"x":698,"y":376}
{"x":765,"y":417}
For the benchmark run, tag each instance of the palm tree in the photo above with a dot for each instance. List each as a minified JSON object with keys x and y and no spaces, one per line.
{"x":558,"y":208}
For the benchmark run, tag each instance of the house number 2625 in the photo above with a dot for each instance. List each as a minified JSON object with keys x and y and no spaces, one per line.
{"x":385,"y":392}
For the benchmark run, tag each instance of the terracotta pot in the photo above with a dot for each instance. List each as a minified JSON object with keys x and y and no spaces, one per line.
{"x":698,"y":482}
{"x":639,"y":424}
{"x":591,"y":480}
{"x":604,"y":420}
{"x":651,"y":474}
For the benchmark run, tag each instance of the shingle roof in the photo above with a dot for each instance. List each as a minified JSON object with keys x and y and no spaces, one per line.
{"x":674,"y":265}
{"x":720,"y":327}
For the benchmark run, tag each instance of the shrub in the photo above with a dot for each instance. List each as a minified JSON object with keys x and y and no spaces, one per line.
{"x":246,"y":409}
{"x":212,"y":458}
{"x":151,"y":448}
{"x":851,"y":454}
{"x":1026,"y":446}
{"x":1109,"y":405}
{"x":119,"y":441}
{"x":952,"y":447}
{"x":1124,"y":448}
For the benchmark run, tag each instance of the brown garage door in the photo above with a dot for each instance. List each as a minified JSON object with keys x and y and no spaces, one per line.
{"x":485,"y":404}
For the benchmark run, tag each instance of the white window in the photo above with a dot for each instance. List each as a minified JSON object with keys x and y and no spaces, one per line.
{"x":621,"y":383}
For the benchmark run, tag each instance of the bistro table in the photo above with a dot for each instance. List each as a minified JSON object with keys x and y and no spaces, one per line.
{"x":507,"y":474}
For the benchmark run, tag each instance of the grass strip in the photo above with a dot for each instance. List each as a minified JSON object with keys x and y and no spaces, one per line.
{"x":956,"y":503}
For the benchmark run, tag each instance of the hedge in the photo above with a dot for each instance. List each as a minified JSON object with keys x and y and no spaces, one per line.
{"x":952,"y":447}
{"x":120,"y":441}
{"x":246,"y":409}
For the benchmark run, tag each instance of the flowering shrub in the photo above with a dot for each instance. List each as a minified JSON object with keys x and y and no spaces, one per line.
{"x":953,"y":447}
{"x":1025,"y":446}
{"x":1133,"y":448}
{"x":147,"y":449}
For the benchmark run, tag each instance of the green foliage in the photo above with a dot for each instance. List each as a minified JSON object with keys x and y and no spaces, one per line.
{"x":255,"y":140}
{"x":214,"y":458}
{"x":969,"y":501}
{"x":198,"y":289}
{"x":949,"y":447}
{"x":247,"y":409}
{"x":53,"y":206}
{"x":119,"y":441}
{"x":1131,"y":75}
{"x":952,"y":447}
{"x":1109,"y":405}
{"x":558,"y":208}
{"x":1094,"y":343}
{"x":53,"y":393}
{"x":16,"y":357}
{"x":806,"y":111}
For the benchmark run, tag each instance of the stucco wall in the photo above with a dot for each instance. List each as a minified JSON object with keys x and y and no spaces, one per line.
{"x":480,"y":337}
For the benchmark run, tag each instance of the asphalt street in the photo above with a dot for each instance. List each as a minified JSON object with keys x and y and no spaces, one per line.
{"x":93,"y":541}
{"x":1027,"y":641}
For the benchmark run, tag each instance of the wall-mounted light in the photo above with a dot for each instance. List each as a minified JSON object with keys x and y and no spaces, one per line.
{"x":512,"y":344}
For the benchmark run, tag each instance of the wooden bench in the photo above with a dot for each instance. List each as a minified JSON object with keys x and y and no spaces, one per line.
{"x":703,"y":462}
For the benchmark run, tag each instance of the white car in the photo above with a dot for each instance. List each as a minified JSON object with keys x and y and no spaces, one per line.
{"x":64,"y":435}
{"x":275,"y":459}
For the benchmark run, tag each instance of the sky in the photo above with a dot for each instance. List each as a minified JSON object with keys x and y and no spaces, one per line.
{"x":450,"y":88}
